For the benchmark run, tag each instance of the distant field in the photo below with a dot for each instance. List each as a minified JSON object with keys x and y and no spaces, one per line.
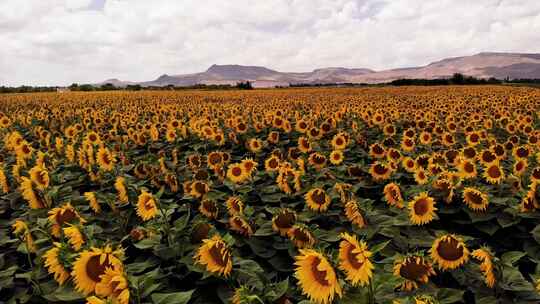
{"x":329,"y":195}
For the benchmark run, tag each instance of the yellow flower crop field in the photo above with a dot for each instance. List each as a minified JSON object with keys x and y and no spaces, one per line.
{"x":323,"y":195}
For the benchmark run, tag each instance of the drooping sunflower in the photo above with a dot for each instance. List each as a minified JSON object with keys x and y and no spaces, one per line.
{"x":21,"y":228}
{"x":415,"y":270}
{"x":54,"y":264}
{"x":235,"y":206}
{"x":105,"y":159}
{"x":146,"y":206}
{"x":240,"y":225}
{"x":485,"y":257}
{"x":380,"y":171}
{"x":422,"y":209}
{"x":92,"y":201}
{"x":30,"y":195}
{"x":208,"y":208}
{"x":449,"y":252}
{"x":475,"y":199}
{"x":237,"y":174}
{"x":354,"y":215}
{"x":354,"y":260}
{"x":120,"y":186}
{"x":317,"y":199}
{"x":392,"y":195}
{"x":316,"y":277}
{"x":91,"y":264}
{"x":317,"y":160}
{"x":75,"y":237}
{"x":40,"y":177}
{"x":301,"y":236}
{"x":59,"y":216}
{"x":494,"y":174}
{"x":283,"y":221}
{"x":215,"y":255}
{"x":114,"y":286}
{"x":249,"y":165}
{"x":199,"y":189}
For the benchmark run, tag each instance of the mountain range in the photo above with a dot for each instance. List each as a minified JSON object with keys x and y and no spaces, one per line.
{"x":481,"y":65}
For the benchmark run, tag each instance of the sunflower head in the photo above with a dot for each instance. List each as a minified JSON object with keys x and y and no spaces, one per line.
{"x":316,"y":277}
{"x":91,"y":265}
{"x":354,"y":260}
{"x":354,"y":214}
{"x":475,"y":199}
{"x":146,"y":206}
{"x":283,"y":221}
{"x":414,"y":270}
{"x":449,"y":252}
{"x":215,"y":255}
{"x":392,"y":195}
{"x":240,"y":225}
{"x":422,"y":209}
{"x":301,"y":236}
{"x":208,"y":208}
{"x":317,"y":199}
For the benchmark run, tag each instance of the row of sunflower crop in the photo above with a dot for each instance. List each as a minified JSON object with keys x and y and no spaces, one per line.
{"x":373,"y":195}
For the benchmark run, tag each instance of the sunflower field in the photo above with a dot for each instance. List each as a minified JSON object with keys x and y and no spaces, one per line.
{"x":343,"y":195}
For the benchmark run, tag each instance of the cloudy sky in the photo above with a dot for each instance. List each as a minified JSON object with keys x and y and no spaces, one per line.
{"x":57,"y":42}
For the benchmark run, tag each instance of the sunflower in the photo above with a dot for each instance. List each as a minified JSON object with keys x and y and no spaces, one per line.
{"x":105,"y":159}
{"x":237,"y":174}
{"x":120,"y":186}
{"x":272,"y":163}
{"x":215,"y":255}
{"x":422,"y":209}
{"x":488,"y":157}
{"x":494,"y":174}
{"x":240,"y":225}
{"x":92,"y":201}
{"x":466,"y":169}
{"x":520,"y":166}
{"x":255,"y":145}
{"x":91,"y":264}
{"x":316,"y":277}
{"x":380,"y":171}
{"x":415,"y":270}
{"x":486,"y":265}
{"x":30,"y":195}
{"x":146,"y":206}
{"x":235,"y":206}
{"x":54,"y":265}
{"x":409,"y":164}
{"x":59,"y":216}
{"x":317,"y":160}
{"x":283,"y":221}
{"x":199,"y":189}
{"x":200,"y":231}
{"x":114,"y":286}
{"x":354,"y":215}
{"x":40,"y":177}
{"x":377,"y":151}
{"x":75,"y":237}
{"x":354,"y":260}
{"x":301,"y":236}
{"x":4,"y":183}
{"x":304,"y":145}
{"x":392,"y":195}
{"x":208,"y":208}
{"x":475,"y":199}
{"x":449,"y":252}
{"x":336,"y":157}
{"x":20,"y":227}
{"x":214,"y":159}
{"x":317,"y":199}
{"x":249,"y":165}
{"x":339,"y":142}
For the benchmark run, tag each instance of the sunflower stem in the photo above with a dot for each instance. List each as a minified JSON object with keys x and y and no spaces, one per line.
{"x":371,"y":296}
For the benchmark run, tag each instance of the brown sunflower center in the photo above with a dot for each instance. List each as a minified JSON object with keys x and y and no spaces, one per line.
{"x":319,"y":197}
{"x":421,"y":206}
{"x":411,"y":270}
{"x":352,"y":257}
{"x":380,"y":169}
{"x":494,"y":172}
{"x":199,"y":233}
{"x":450,"y":250}
{"x":285,"y":220}
{"x":236,"y":171}
{"x":94,"y":269}
{"x":474,"y":198}
{"x":65,"y":216}
{"x":219,"y":254}
{"x":318,"y":275}
{"x":469,"y":167}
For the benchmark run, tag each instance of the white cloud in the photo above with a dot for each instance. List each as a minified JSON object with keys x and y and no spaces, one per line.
{"x":63,"y":41}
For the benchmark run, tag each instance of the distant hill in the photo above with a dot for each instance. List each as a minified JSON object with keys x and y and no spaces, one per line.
{"x":481,"y":65}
